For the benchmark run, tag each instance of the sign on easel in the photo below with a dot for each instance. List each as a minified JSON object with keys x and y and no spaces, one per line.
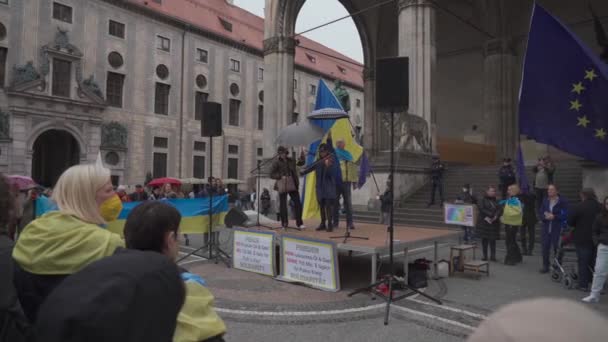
{"x":254,"y":252}
{"x":310,"y":262}
{"x":460,"y":214}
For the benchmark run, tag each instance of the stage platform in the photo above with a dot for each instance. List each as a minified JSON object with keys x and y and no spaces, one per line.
{"x":406,"y":239}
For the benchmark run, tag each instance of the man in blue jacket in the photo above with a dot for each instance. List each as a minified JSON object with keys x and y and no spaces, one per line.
{"x":553,"y":213}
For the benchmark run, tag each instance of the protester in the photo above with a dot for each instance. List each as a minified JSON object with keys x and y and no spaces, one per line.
{"x":467,"y":197}
{"x":386,"y":201}
{"x":63,"y":242}
{"x":139,"y":195}
{"x":121,"y":191}
{"x":131,"y":296}
{"x":528,"y":228}
{"x":541,"y":181}
{"x":287,"y":183}
{"x":13,"y":324}
{"x":488,"y":226}
{"x":349,"y":179}
{"x":437,"y":170}
{"x":600,"y":237}
{"x":553,"y":214}
{"x":28,"y":213}
{"x":550,"y":167}
{"x":542,"y":320}
{"x":154,"y":227}
{"x":506,"y":176}
{"x":167,"y":192}
{"x":581,"y":216}
{"x":16,"y":211}
{"x":265,"y":202}
{"x":326,"y":177}
{"x":512,"y":217}
{"x":156,"y":194}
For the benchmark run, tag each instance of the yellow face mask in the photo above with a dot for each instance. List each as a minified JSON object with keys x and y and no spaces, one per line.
{"x":110,"y":209}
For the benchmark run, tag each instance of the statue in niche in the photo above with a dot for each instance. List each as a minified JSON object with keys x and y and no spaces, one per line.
{"x":4,"y":125}
{"x":92,"y":85}
{"x":342,"y":95}
{"x":25,"y":73}
{"x":114,"y":135}
{"x":411,"y":133}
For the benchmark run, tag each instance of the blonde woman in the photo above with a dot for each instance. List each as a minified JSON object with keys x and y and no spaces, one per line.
{"x":512,"y":218}
{"x":62,"y":242}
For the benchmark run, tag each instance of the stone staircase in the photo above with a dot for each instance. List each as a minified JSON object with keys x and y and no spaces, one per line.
{"x":413,"y":209}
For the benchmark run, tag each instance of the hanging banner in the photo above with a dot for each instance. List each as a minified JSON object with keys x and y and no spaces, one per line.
{"x":460,"y":214}
{"x":310,"y":262}
{"x":254,"y":252}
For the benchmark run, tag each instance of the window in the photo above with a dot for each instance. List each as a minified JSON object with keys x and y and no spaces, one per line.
{"x":116,"y":29}
{"x":226,"y":24}
{"x":3,"y":53}
{"x":159,"y":167}
{"x":200,"y":146}
{"x":260,"y":117}
{"x":233,"y":118}
{"x":295,"y":84}
{"x":235,"y":65}
{"x":312,"y":90}
{"x":201,"y":81}
{"x":2,"y":29}
{"x":161,"y":99}
{"x":294,"y":117}
{"x":199,"y":99}
{"x":260,"y":74}
{"x":112,"y":158}
{"x":234,"y":89}
{"x":163,"y":43}
{"x":233,"y":168}
{"x":115,"y":180}
{"x":261,"y":96}
{"x":260,"y":151}
{"x":115,"y":59}
{"x":358,"y":102}
{"x":114,"y":85}
{"x":233,"y":149}
{"x":62,"y":75}
{"x":62,"y":12}
{"x":198,"y":167}
{"x":162,"y":71}
{"x":160,"y":142}
{"x":202,"y":55}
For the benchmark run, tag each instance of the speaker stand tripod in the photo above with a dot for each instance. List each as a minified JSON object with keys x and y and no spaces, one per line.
{"x":391,"y":279}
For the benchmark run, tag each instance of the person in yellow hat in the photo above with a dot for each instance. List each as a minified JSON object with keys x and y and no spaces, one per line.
{"x":153,"y":226}
{"x":62,"y":242}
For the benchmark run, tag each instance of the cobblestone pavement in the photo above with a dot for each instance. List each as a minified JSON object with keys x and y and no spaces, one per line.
{"x":259,"y":308}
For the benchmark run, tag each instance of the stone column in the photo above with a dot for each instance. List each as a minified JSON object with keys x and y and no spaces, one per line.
{"x":279,"y":55}
{"x":498,"y":98}
{"x":417,"y":40}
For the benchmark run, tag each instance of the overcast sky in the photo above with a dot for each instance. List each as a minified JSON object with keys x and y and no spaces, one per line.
{"x":341,"y":36}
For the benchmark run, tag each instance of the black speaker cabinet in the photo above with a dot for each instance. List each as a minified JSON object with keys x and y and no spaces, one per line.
{"x":235,"y":217}
{"x":392,"y":84}
{"x":211,"y":124}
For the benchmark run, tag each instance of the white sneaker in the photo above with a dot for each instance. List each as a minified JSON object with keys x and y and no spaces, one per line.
{"x":591,"y":299}
{"x":301,"y":226}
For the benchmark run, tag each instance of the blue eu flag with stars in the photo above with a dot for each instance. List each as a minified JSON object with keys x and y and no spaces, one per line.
{"x":564,"y":91}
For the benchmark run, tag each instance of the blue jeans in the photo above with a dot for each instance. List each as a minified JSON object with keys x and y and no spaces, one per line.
{"x":585,"y":256}
{"x":345,"y":191}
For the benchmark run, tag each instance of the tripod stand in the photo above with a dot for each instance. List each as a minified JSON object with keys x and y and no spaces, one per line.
{"x":212,"y":245}
{"x":391,"y":279}
{"x":258,"y":171}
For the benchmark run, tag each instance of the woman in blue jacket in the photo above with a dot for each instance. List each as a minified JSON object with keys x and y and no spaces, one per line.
{"x":553,"y":214}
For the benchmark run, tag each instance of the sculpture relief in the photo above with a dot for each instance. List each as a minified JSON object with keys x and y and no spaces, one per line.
{"x":412,"y":133}
{"x":342,"y":95}
{"x":114,"y":135}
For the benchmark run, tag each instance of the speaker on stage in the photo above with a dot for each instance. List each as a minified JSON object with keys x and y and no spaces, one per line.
{"x":211,"y":123}
{"x":392,"y":84}
{"x":235,"y":217}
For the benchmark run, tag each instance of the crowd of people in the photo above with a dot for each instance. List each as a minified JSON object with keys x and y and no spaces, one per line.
{"x":65,"y":271}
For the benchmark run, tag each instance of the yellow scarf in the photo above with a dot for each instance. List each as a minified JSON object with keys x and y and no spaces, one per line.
{"x":59,"y":243}
{"x":198,"y":320}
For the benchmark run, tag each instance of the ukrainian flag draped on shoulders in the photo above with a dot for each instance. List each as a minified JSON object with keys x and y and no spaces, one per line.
{"x":340,"y":129}
{"x":563,"y":97}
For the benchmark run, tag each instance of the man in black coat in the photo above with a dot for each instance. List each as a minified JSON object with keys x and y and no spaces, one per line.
{"x":581,"y":217}
{"x":506,"y":175}
{"x":437,"y":169}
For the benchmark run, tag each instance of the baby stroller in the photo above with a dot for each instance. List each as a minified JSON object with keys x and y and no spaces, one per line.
{"x":563,"y":268}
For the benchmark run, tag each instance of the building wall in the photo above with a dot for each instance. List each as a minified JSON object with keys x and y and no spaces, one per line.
{"x":30,"y":26}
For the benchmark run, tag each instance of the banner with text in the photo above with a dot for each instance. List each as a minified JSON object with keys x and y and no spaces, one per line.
{"x":460,"y":214}
{"x":253,"y":251}
{"x":310,"y":262}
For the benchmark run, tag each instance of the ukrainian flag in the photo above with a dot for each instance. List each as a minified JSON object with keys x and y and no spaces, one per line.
{"x":340,"y":129}
{"x":195,"y":213}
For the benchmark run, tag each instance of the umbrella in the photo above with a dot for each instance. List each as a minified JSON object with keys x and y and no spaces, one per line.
{"x":299,"y":134}
{"x":165,"y":180}
{"x":328,"y":114}
{"x":193,"y":181}
{"x":232,"y":181}
{"x":22,"y":182}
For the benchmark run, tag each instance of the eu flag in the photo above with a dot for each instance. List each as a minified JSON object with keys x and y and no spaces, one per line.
{"x":564,"y":91}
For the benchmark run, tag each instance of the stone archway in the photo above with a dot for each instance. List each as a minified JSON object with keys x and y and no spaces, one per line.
{"x":53,"y":152}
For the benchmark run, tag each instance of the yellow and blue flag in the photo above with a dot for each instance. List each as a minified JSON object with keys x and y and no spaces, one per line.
{"x":563,"y":97}
{"x":195,"y":213}
{"x":340,"y":129}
